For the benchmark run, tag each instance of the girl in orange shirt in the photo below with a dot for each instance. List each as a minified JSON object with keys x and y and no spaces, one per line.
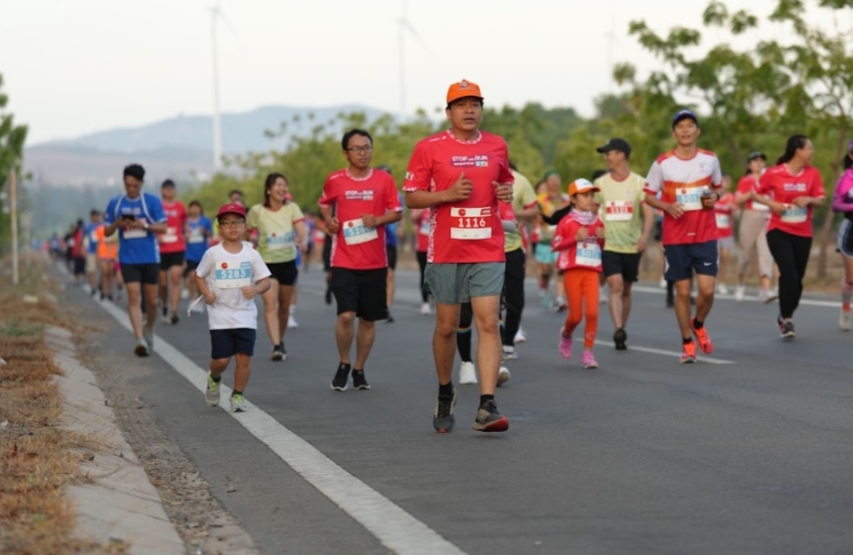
{"x":578,"y":240}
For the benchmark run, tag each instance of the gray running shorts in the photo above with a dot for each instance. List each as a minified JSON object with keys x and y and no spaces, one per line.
{"x":457,"y":283}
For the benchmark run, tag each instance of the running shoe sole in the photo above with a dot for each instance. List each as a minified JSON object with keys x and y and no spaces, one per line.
{"x":277,"y":355}
{"x":444,"y":424}
{"x":141,"y":350}
{"x":499,"y":425}
{"x":706,"y":348}
{"x":770,"y":299}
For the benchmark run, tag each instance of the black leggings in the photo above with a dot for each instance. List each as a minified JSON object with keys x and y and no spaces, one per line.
{"x":422,"y":262}
{"x":513,"y":294}
{"x":791,"y":253}
{"x":463,"y":332}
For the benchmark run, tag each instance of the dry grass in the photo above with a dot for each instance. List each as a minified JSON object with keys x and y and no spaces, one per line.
{"x":38,"y":459}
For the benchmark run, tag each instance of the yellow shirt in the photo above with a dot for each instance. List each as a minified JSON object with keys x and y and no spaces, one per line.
{"x":276,"y":236}
{"x":523,"y":196}
{"x":621,"y":210}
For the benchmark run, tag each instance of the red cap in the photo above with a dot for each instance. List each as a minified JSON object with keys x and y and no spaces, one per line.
{"x":231,"y":208}
{"x":463,"y":89}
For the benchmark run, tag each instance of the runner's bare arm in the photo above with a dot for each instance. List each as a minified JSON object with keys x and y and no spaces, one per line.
{"x":648,"y":226}
{"x":776,"y":207}
{"x":460,"y":190}
{"x":672,"y":208}
{"x":332,"y":224}
{"x":301,"y":235}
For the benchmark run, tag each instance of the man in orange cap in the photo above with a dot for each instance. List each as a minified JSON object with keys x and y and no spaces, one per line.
{"x":461,"y":174}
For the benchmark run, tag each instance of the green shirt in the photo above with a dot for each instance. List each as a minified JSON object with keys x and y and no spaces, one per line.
{"x":523,"y":196}
{"x":620,"y":208}
{"x":276,"y":236}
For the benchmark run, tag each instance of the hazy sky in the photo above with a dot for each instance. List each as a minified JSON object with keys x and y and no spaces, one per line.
{"x":73,"y":67}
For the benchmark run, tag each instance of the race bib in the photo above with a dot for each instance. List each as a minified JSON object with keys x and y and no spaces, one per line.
{"x":356,"y":233}
{"x":758,"y":207}
{"x":618,"y":211}
{"x":470,"y":223}
{"x":690,"y":198}
{"x":795,"y":215}
{"x":588,"y":254}
{"x":724,"y":221}
{"x":278,"y":242}
{"x":227,"y":277}
{"x":424,"y":229}
{"x":93,"y":237}
{"x":196,"y":236}
{"x":135,"y":233}
{"x":171,"y":235}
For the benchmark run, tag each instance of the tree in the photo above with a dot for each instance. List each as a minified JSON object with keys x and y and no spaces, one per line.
{"x":12,"y":138}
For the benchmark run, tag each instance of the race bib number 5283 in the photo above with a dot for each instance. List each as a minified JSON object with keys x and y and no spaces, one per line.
{"x":232,"y":276}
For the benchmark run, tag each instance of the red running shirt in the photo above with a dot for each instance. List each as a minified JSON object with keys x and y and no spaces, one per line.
{"x":724,"y":215}
{"x":356,"y":246}
{"x":781,"y":186}
{"x":176,"y":219}
{"x":574,"y":254}
{"x":423,"y":229}
{"x":747,"y":184}
{"x":468,"y":231}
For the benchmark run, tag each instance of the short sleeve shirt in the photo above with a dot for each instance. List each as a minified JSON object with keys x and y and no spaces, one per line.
{"x":225,"y":274}
{"x":523,"y":197}
{"x":724,"y":216}
{"x":276,"y":233}
{"x":176,"y":218}
{"x":137,"y":246}
{"x":747,"y":184}
{"x":196,"y":238}
{"x":781,"y":186}
{"x":574,"y":254}
{"x":621,"y":210}
{"x":684,"y":181}
{"x":469,"y":230}
{"x":356,"y":246}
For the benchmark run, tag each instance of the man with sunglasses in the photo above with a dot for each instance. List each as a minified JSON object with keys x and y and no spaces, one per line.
{"x":363,"y":202}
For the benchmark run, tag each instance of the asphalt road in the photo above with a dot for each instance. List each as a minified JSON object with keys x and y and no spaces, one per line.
{"x":751,"y":454}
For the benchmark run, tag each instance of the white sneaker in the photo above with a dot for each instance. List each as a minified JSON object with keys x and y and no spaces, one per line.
{"x":722,"y":289}
{"x":238,"y":404}
{"x":426,"y":310}
{"x":509,"y":352}
{"x":519,"y":336}
{"x":291,"y":322}
{"x":185,"y":294}
{"x":503,"y":375}
{"x":662,"y":283}
{"x":211,"y":395}
{"x":740,"y":291}
{"x":768,"y":296}
{"x":166,"y":320}
{"x":844,"y":320}
{"x":467,"y":373}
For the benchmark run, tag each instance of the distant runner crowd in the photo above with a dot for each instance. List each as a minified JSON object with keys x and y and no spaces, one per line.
{"x":475,"y":219}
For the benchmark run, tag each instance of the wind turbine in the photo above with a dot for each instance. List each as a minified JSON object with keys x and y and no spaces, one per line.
{"x":215,"y":12}
{"x":404,"y":26}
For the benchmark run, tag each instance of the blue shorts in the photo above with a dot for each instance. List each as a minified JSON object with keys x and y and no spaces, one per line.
{"x":682,"y":260}
{"x":543,"y":254}
{"x":227,"y":343}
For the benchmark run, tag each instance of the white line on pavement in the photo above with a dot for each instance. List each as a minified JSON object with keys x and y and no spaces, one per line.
{"x":652,"y":350}
{"x":393,"y":527}
{"x":731,"y":297}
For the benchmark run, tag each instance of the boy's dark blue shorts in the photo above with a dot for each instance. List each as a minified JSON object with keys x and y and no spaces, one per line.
{"x":683,"y":260}
{"x":227,"y":343}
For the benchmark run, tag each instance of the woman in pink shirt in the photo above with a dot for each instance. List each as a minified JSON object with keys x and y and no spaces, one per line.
{"x":843,"y":202}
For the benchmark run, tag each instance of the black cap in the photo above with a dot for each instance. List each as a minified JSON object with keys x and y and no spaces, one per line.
{"x":684,"y":114}
{"x":167,"y":183}
{"x":755,"y":156}
{"x":616,"y":144}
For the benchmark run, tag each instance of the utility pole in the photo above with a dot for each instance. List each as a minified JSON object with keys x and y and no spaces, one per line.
{"x":13,"y":206}
{"x":217,"y":122}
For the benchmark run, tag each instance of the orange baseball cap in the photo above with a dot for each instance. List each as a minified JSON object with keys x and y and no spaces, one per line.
{"x":463,"y":89}
{"x":581,"y":186}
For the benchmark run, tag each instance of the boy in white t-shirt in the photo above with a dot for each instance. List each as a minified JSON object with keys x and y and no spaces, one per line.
{"x":229,"y":277}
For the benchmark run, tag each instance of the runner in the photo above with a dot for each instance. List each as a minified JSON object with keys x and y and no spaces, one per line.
{"x":724,"y":214}
{"x":91,"y":239}
{"x":525,"y":209}
{"x":229,"y":276}
{"x":753,"y":231}
{"x":578,"y":241}
{"x":685,"y":177}
{"x":138,"y":216}
{"x":843,"y":202}
{"x":107,"y":256}
{"x":461,"y":174}
{"x":421,"y":220}
{"x":392,"y":240}
{"x":172,"y":248}
{"x":281,"y":235}
{"x":364,"y":201}
{"x":78,"y":252}
{"x":792,"y":189}
{"x":549,"y":201}
{"x":199,"y":230}
{"x":629,"y":224}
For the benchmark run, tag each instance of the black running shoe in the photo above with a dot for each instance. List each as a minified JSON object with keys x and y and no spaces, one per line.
{"x":786,"y":329}
{"x":283,"y":350}
{"x":443,"y":419}
{"x":390,"y":319}
{"x":339,"y":383}
{"x":358,"y":380}
{"x":620,"y":336}
{"x":489,"y":419}
{"x":174,"y":318}
{"x":277,"y":354}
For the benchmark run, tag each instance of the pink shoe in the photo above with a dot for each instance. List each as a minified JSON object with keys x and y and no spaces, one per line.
{"x":588,"y":360}
{"x":565,"y":346}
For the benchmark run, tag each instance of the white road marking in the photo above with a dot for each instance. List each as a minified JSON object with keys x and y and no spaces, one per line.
{"x":699,"y":356}
{"x":747,"y":299}
{"x":393,"y":527}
